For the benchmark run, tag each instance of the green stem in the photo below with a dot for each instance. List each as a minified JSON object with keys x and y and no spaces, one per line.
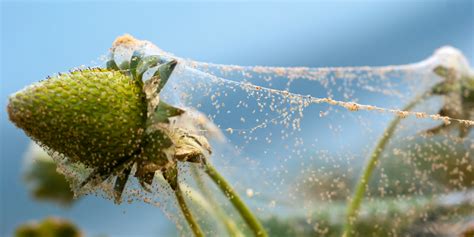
{"x":187,"y":213}
{"x":353,"y":207}
{"x":234,"y":198}
{"x":229,"y":224}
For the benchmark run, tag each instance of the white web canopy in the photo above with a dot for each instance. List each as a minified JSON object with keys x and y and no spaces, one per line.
{"x":294,"y":142}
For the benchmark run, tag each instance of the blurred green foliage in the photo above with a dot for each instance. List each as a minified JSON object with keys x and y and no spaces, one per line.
{"x":43,"y":179}
{"x":383,"y":217}
{"x":49,"y":227}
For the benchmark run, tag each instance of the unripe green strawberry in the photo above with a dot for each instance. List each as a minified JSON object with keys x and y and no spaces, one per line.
{"x":95,"y":116}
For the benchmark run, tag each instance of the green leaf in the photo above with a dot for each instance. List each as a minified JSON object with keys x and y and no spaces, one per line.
{"x":171,"y":175}
{"x":134,"y":61}
{"x":441,"y":88}
{"x":164,"y":72}
{"x":125,"y":65}
{"x":164,"y":111}
{"x":145,"y":64}
{"x":468,"y":82}
{"x":445,"y":87}
{"x":120,"y":183}
{"x":441,"y":71}
{"x":159,"y":139}
{"x":102,"y":173}
{"x":112,"y":65}
{"x":146,"y":181}
{"x":468,"y":97}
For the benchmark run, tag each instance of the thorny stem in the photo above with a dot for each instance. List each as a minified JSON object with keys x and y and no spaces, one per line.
{"x":187,"y":213}
{"x":234,"y":198}
{"x":353,"y":207}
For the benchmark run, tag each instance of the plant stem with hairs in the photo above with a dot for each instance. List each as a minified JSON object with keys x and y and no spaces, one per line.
{"x":187,"y":213}
{"x":229,"y":224}
{"x":354,"y":205}
{"x":253,"y":223}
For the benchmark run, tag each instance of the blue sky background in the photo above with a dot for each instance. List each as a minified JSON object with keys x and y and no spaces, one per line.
{"x":43,"y":37}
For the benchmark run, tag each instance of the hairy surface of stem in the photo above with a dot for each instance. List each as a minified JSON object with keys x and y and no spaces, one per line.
{"x":187,"y":213}
{"x":229,"y":224}
{"x":253,"y":223}
{"x":354,"y":205}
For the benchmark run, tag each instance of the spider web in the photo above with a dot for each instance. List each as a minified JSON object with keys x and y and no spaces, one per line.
{"x":293,"y":142}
